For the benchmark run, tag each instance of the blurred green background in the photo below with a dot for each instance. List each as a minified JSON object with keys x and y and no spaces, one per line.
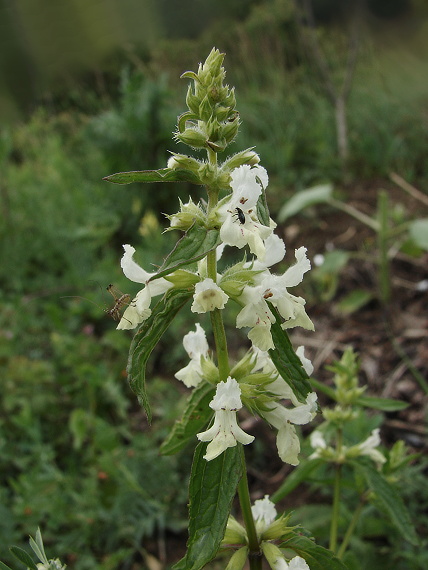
{"x":91,"y":87}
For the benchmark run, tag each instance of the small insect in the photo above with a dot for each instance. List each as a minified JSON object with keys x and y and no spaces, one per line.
{"x":239,"y":215}
{"x":120,"y":300}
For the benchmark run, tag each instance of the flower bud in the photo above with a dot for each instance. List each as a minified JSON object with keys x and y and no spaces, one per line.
{"x":229,"y":129}
{"x":247,"y":156}
{"x":205,"y":109}
{"x":223,"y":113}
{"x":182,"y":279}
{"x":186,"y":217}
{"x":192,"y":101}
{"x":193,"y":137}
{"x":207,"y":173}
{"x":272,"y":553}
{"x":235,"y":532}
{"x":339,"y":415}
{"x":212,"y":66}
{"x":178,"y":161}
{"x":237,"y":562}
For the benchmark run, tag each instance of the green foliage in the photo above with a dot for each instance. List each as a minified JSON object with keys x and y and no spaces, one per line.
{"x":68,"y":460}
{"x":212,"y":488}
{"x":147,"y":337}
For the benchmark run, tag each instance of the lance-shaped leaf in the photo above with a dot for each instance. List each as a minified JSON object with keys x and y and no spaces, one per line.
{"x":212,"y":488}
{"x":317,"y":557}
{"x":193,"y":246}
{"x":195,"y":418}
{"x":161,"y":175}
{"x":384,"y":404}
{"x":23,"y":557}
{"x":286,"y":360}
{"x":388,"y":500}
{"x":262,"y":208}
{"x":146,"y":338}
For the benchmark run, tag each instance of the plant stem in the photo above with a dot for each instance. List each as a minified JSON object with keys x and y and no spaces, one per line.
{"x":351,"y":527}
{"x":255,"y":557}
{"x":336,"y":496}
{"x":220,"y":343}
{"x":360,"y":216}
{"x":336,"y":505}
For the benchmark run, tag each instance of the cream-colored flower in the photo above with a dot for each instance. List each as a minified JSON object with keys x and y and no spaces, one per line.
{"x":139,"y":308}
{"x":225,"y":432}
{"x":196,"y":346}
{"x":208,"y":296}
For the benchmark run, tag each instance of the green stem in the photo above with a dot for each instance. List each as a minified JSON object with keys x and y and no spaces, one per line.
{"x":360,"y":216}
{"x":336,"y":496}
{"x":350,"y":530}
{"x":220,"y":344}
{"x":255,"y":557}
{"x":336,"y":505}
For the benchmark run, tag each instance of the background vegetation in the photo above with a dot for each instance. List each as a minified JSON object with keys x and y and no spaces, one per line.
{"x":101,"y":96}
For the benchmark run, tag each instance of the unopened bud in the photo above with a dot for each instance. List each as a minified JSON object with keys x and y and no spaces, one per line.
{"x":229,"y":130}
{"x":247,"y":156}
{"x":238,"y":560}
{"x":178,"y":161}
{"x":193,"y":137}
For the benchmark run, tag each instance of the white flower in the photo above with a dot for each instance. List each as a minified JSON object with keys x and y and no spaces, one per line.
{"x":256,"y":315}
{"x":139,"y":308}
{"x":225,"y":431}
{"x":240,"y":225}
{"x":317,"y":442}
{"x":283,"y":418}
{"x":262,"y":361}
{"x":264,"y":513}
{"x":367,"y":447}
{"x":208,"y":296}
{"x":196,"y":346}
{"x":306,"y":363}
{"x":296,"y":563}
{"x":273,"y":288}
{"x":275,"y":252}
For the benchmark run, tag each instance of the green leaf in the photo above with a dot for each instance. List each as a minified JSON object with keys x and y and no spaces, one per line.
{"x":195,"y":418}
{"x":23,"y":557}
{"x":418,"y":230}
{"x":384,"y":404}
{"x":38,"y":547}
{"x":324,"y":389}
{"x":388,"y":500}
{"x":317,"y":557}
{"x":193,"y":246}
{"x":146,"y":338}
{"x":4,"y":567}
{"x":354,"y":301}
{"x":301,"y":200}
{"x":262,"y":208}
{"x":212,"y":489}
{"x":162,"y":175}
{"x":286,"y":360}
{"x":299,"y":475}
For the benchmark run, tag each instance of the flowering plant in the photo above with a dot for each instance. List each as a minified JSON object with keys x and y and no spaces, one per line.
{"x":272,"y":379}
